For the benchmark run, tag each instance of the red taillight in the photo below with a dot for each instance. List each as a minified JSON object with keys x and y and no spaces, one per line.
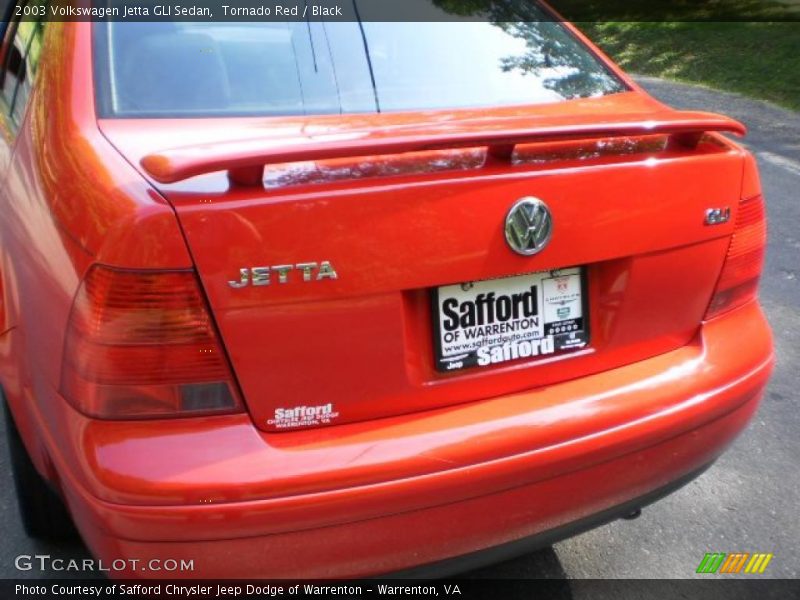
{"x":142,"y":344}
{"x":741,"y":272}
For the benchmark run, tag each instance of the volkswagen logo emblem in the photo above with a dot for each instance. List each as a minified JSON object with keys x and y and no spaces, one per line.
{"x":529,"y":226}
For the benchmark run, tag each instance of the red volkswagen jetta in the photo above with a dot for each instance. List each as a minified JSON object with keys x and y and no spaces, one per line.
{"x":340,"y":299}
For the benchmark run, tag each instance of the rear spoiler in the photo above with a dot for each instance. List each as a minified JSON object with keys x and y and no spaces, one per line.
{"x":245,"y":160}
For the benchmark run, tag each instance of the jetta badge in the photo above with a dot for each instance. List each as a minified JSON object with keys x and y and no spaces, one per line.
{"x":529,"y":226}
{"x":261,"y":276}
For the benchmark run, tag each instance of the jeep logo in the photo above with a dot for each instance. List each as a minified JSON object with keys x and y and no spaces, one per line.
{"x":260,"y":276}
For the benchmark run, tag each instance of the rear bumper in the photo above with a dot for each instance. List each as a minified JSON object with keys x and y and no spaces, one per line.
{"x":539,"y":462}
{"x":516,"y":548}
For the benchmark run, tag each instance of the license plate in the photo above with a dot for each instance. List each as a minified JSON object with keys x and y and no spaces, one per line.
{"x":496,"y":321}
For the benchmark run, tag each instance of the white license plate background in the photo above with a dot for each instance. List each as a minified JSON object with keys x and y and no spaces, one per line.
{"x":485,"y":323}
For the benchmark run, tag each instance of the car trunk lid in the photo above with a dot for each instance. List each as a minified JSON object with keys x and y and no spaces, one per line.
{"x":358,"y":221}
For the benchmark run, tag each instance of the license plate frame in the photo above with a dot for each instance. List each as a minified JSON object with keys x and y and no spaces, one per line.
{"x":483,"y":338}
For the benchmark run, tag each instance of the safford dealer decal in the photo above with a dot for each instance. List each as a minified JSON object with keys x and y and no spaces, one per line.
{"x":303,"y":416}
{"x":495,"y":321}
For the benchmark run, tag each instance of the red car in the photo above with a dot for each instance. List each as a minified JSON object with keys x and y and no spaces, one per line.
{"x":337,"y":299}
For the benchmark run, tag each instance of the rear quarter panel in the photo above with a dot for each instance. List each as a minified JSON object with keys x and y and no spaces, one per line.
{"x":69,"y":199}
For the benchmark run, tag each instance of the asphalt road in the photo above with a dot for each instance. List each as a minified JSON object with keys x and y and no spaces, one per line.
{"x":747,"y":502}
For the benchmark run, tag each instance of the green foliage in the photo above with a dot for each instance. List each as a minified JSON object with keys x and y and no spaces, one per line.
{"x":677,"y":10}
{"x":706,"y":42}
{"x":757,"y":59}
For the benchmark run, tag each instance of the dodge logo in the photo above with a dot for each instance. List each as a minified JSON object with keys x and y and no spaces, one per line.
{"x":529,"y":226}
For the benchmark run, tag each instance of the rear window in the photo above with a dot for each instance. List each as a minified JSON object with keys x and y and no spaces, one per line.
{"x":300,"y":68}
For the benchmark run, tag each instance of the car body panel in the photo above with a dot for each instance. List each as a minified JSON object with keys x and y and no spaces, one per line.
{"x":635,"y":220}
{"x":427,"y":459}
{"x":529,"y":427}
{"x":667,"y":431}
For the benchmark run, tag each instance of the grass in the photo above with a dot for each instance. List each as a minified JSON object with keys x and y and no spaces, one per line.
{"x":746,"y":46}
{"x":758,"y":59}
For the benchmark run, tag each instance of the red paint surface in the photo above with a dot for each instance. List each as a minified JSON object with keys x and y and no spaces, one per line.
{"x":440,"y":464}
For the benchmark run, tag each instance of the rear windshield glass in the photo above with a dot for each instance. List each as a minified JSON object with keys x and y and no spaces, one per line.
{"x":298,"y":68}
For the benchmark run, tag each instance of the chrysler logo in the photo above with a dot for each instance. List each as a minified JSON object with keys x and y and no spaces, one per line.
{"x":529,"y":226}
